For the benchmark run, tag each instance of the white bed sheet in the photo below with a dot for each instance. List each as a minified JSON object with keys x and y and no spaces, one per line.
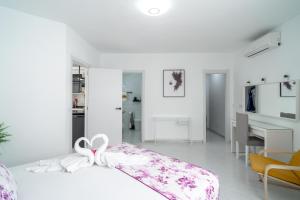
{"x":94,"y":183}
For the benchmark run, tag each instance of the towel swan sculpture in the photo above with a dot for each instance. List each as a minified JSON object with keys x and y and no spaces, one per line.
{"x":86,"y":157}
{"x":94,"y":155}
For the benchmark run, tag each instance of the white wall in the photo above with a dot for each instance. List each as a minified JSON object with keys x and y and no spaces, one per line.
{"x":32,"y":85}
{"x":216,"y":108}
{"x":272,"y":65}
{"x":35,"y":86}
{"x":80,"y":50}
{"x":155,"y":104}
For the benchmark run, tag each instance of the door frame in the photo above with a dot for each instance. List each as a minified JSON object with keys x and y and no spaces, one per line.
{"x":86,"y":95}
{"x":227,"y":100}
{"x":143,"y":104}
{"x":70,"y":75}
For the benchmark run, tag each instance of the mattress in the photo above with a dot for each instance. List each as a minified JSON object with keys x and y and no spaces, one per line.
{"x":94,"y":183}
{"x":162,"y":177}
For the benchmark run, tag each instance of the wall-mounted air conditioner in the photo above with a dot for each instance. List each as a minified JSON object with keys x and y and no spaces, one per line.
{"x":267,"y":42}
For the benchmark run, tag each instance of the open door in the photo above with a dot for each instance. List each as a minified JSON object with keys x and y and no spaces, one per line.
{"x":105,"y":104}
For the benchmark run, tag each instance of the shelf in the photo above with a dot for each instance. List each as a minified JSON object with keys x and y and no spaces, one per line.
{"x":81,"y":93}
{"x":78,"y":109}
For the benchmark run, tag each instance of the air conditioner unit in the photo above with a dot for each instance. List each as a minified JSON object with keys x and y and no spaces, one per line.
{"x":267,"y":42}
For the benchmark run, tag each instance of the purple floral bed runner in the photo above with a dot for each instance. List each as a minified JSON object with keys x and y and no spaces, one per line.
{"x":172,"y":178}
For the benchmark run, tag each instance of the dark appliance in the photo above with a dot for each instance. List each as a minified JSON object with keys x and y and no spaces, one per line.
{"x":78,"y":127}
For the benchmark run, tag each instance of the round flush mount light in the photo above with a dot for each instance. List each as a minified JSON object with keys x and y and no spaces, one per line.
{"x":153,"y":7}
{"x":154,"y":11}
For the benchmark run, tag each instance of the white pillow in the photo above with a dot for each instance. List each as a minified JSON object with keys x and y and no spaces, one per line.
{"x":8,"y":186}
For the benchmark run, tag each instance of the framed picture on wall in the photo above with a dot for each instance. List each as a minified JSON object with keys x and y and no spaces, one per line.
{"x":174,"y":83}
{"x":288,"y":89}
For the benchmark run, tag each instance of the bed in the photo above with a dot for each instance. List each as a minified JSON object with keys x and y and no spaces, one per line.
{"x":161,"y":178}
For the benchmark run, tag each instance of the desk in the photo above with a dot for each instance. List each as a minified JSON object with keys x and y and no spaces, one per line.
{"x":176,"y":121}
{"x":275,"y":137}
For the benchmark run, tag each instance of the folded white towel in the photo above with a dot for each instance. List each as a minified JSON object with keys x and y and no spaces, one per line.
{"x":74,"y":162}
{"x":113,"y":159}
{"x":45,"y":166}
{"x":70,"y":164}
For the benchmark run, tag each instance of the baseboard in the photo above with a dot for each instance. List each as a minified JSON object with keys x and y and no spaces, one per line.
{"x":197,"y":141}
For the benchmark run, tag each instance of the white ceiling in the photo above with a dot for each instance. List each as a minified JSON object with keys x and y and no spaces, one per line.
{"x":189,"y":26}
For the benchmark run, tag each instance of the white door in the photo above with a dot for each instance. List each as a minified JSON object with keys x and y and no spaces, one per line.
{"x":105,"y":104}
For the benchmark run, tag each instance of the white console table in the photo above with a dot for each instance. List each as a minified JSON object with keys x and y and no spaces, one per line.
{"x":178,"y":120}
{"x":275,"y":137}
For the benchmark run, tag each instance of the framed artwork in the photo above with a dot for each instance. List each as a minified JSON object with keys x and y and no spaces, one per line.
{"x":288,"y":89}
{"x":174,"y":83}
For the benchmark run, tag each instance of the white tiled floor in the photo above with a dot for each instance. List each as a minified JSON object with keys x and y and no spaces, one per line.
{"x":237,"y":182}
{"x":131,"y":136}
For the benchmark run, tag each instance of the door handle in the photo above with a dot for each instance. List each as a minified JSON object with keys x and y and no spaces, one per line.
{"x":118,"y":108}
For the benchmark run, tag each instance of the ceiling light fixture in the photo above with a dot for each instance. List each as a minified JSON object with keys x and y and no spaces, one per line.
{"x":154,"y":11}
{"x":153,"y":7}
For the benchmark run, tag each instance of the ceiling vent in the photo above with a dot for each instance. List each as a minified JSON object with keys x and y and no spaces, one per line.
{"x":267,"y":42}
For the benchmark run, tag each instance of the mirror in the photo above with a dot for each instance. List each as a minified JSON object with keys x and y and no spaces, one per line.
{"x":273,"y":99}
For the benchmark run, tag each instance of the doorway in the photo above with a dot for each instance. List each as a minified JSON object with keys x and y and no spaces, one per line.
{"x":132,"y":91}
{"x":216,"y":105}
{"x":79,"y":101}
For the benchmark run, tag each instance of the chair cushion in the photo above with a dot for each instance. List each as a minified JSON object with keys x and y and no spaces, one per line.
{"x":259,"y":163}
{"x":295,"y":161}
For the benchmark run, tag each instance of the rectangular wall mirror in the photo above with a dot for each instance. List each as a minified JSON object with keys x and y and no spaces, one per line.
{"x":280,"y":99}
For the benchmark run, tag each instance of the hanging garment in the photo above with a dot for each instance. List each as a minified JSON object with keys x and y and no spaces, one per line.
{"x":251,"y":100}
{"x":131,"y":121}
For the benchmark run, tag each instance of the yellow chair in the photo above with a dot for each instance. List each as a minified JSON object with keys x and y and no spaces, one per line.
{"x":287,"y":173}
